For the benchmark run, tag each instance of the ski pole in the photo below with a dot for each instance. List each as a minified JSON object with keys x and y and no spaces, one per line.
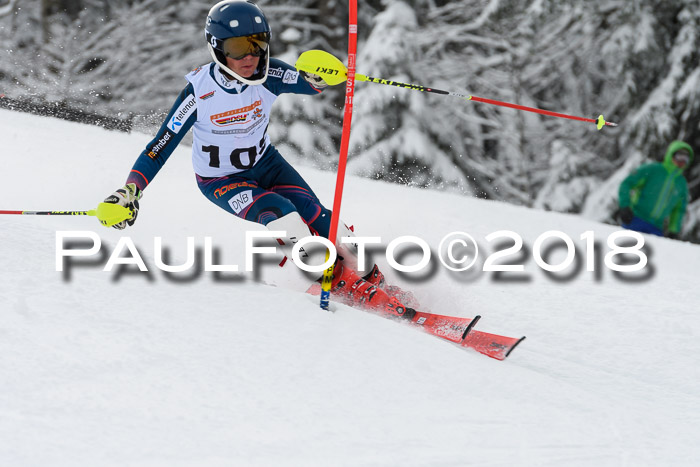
{"x":107,"y":213}
{"x":334,"y":72}
{"x":52,"y":213}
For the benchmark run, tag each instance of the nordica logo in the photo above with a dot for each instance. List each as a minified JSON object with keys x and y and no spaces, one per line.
{"x":181,"y":114}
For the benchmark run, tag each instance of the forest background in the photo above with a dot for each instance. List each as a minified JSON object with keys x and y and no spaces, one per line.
{"x":120,"y":63}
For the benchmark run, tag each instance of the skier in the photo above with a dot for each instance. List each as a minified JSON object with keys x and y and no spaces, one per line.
{"x":227,"y":103}
{"x":654,"y":197}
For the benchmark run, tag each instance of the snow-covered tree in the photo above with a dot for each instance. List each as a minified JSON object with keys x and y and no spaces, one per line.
{"x":656,"y":44}
{"x":311,"y":124}
{"x":393,"y":131}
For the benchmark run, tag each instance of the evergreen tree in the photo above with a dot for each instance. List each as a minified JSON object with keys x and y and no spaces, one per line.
{"x":311,"y":125}
{"x":392,"y":136}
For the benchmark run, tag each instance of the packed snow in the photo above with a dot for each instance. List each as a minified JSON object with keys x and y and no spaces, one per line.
{"x":123,"y":367}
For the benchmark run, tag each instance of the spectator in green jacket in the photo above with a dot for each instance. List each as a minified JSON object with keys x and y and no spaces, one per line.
{"x":654,"y":197}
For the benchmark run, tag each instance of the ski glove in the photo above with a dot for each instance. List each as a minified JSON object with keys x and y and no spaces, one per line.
{"x":626,"y":215}
{"x":127,"y":196}
{"x":315,"y":80}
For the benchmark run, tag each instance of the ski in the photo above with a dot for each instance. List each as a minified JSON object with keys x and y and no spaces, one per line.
{"x":457,"y":330}
{"x":460,"y":331}
{"x":447,"y":327}
{"x":492,"y":345}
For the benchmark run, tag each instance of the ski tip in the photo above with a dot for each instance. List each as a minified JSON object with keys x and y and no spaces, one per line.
{"x":471,"y":326}
{"x":513,"y":347}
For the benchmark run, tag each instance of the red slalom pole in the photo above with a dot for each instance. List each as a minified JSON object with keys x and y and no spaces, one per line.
{"x":344,"y":143}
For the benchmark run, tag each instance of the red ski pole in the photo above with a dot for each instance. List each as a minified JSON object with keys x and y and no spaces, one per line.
{"x":107,"y":213}
{"x":92,"y":212}
{"x":333,"y":71}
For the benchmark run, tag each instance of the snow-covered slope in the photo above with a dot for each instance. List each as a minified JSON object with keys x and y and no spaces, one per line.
{"x":154,"y":369}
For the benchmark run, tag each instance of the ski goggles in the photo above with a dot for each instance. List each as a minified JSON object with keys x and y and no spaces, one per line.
{"x":682,"y":157}
{"x":240,"y":47}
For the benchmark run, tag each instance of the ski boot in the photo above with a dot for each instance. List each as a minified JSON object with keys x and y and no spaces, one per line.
{"x":353,"y":290}
{"x":376,"y":278}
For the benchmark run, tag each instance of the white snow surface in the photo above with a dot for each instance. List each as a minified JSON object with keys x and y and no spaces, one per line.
{"x":150,"y":369}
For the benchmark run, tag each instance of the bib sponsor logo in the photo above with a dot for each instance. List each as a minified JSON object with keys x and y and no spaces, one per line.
{"x":207,"y":95}
{"x":181,"y":114}
{"x":241,"y":131}
{"x":231,"y":120}
{"x":241,"y":201}
{"x":237,"y":116}
{"x":290,"y":77}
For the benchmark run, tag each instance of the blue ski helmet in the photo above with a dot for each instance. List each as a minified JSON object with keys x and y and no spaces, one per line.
{"x":237,"y":28}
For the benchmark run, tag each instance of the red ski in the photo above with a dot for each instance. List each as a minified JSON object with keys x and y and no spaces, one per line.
{"x":455,"y":329}
{"x":493,"y":345}
{"x":460,"y":331}
{"x":448,"y":327}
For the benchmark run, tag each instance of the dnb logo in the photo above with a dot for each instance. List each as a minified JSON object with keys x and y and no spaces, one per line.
{"x":241,"y":201}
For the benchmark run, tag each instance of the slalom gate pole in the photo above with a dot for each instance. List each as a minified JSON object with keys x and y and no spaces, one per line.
{"x":344,"y":143}
{"x":107,"y":213}
{"x":333,"y":70}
